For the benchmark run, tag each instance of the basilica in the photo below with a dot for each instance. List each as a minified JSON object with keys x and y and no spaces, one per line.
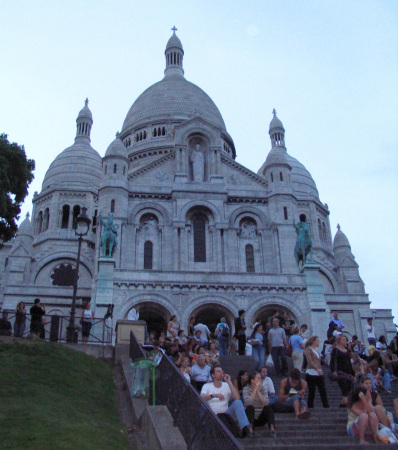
{"x":198,"y":234}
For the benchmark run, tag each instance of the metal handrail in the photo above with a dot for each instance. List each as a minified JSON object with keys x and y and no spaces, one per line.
{"x":198,"y":424}
{"x":100,"y":332}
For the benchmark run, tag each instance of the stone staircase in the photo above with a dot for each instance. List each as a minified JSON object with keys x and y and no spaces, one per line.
{"x":326,"y":429}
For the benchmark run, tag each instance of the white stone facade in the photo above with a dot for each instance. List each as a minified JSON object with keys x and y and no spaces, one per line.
{"x":199,"y":234}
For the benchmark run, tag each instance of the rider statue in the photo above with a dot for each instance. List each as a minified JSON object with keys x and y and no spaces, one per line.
{"x":109,"y":236}
{"x":303,"y":243}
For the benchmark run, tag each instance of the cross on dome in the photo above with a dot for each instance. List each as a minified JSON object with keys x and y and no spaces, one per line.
{"x":274,"y":112}
{"x":86,"y":102}
{"x":174,"y":29}
{"x":338,"y":226}
{"x":27,"y":215}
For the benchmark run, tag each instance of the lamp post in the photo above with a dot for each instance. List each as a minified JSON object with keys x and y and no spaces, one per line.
{"x":82,"y":227}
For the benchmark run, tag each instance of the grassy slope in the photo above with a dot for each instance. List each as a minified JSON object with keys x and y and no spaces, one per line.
{"x":54,"y":397}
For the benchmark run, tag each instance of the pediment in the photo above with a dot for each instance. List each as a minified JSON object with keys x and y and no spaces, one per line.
{"x":19,"y":250}
{"x":237,"y":176}
{"x":159,"y":172}
{"x":348,"y":261}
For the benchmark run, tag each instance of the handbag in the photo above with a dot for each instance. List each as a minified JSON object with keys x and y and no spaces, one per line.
{"x":225,"y":332}
{"x":256,"y":343}
{"x":289,"y":351}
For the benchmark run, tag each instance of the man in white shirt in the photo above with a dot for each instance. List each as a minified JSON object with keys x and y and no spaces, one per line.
{"x":371,"y":332}
{"x":134,"y":313}
{"x":268,"y":385}
{"x":218,"y":393}
{"x":200,"y":373}
{"x":204,"y":330}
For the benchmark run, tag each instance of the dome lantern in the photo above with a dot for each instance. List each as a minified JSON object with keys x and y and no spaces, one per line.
{"x":174,"y":54}
{"x":276,"y":132}
{"x":84,"y":123}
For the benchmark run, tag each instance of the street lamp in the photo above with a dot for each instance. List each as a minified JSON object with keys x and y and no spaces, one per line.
{"x":82,"y":227}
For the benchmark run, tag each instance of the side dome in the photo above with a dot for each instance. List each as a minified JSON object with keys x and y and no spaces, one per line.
{"x":302,"y":181}
{"x":173,"y":98}
{"x":340,"y":240}
{"x":79,"y":166}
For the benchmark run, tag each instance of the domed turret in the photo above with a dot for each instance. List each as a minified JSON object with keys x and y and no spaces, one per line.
{"x":341,"y":247}
{"x":78,"y":166}
{"x":116,"y":148}
{"x":25,"y":231}
{"x":300,"y":179}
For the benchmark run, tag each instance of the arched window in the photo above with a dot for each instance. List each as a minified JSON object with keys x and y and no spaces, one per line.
{"x":65,"y":216}
{"x":112,"y":206}
{"x":163,"y":131}
{"x":285,"y":212}
{"x":281,"y":176}
{"x":325,"y":234}
{"x":148,"y":255}
{"x":249,"y":258}
{"x":40,"y":222}
{"x":106,"y":169}
{"x":155,"y":132}
{"x":76,"y":212}
{"x":46,"y":219}
{"x":114,"y":168}
{"x":272,"y":177}
{"x":199,"y":239}
{"x":124,"y":170}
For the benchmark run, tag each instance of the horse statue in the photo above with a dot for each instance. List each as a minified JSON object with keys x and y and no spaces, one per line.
{"x":303,"y":243}
{"x":109,"y":236}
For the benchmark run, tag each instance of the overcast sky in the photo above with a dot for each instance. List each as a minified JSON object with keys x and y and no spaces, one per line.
{"x":330,"y":68}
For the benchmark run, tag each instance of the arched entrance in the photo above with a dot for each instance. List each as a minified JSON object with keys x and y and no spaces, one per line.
{"x":264,"y":314}
{"x":210,"y":314}
{"x":156,"y":316}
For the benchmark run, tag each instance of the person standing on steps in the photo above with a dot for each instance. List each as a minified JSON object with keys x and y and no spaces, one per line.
{"x":277,"y":347}
{"x":314,"y":377}
{"x":240,"y":331}
{"x":340,"y":365}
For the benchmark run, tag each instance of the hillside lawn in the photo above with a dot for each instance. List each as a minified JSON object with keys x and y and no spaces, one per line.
{"x":52,"y":397}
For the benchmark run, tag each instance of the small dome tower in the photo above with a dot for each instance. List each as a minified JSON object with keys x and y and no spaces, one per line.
{"x":174,"y":54}
{"x":84,"y":123}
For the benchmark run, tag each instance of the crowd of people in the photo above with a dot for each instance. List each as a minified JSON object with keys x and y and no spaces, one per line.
{"x":361,"y":371}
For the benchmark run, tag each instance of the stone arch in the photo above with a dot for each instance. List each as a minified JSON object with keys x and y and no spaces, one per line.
{"x":152,"y":208}
{"x":249,"y":211}
{"x":54,"y":257}
{"x":206,"y":301}
{"x":327,"y":277}
{"x":200,"y":128}
{"x":195,"y":204}
{"x":155,"y":310}
{"x":43,"y":274}
{"x":274,"y":302}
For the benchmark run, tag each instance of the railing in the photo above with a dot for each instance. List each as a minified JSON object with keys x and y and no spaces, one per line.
{"x":55,"y":327}
{"x":136,"y":351}
{"x":197,"y":423}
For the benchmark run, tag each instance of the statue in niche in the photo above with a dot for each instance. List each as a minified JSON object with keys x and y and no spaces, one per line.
{"x":198,"y":164}
{"x":150,"y":225}
{"x":248,"y":229}
{"x":109,"y":236}
{"x":303,"y":243}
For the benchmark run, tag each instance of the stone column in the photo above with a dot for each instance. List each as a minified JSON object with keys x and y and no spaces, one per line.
{"x":103,"y":294}
{"x":319,"y":310}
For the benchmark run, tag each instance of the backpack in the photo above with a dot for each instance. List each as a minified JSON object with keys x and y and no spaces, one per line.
{"x":229,"y":422}
{"x":225,"y":331}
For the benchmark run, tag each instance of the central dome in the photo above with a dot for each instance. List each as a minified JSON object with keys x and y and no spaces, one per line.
{"x":173,"y":98}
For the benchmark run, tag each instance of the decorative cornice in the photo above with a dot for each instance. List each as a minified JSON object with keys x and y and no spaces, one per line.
{"x":247,"y":200}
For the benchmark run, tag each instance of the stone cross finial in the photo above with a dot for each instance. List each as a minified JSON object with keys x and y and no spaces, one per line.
{"x":274,"y":112}
{"x":86,"y":102}
{"x":27,"y":215}
{"x":117,"y":134}
{"x":338,"y":226}
{"x":174,"y":29}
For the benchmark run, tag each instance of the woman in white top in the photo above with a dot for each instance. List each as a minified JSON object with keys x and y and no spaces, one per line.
{"x":314,"y":375}
{"x":87,"y":322}
{"x":371,"y":332}
{"x":172,"y":327}
{"x":185,"y":368}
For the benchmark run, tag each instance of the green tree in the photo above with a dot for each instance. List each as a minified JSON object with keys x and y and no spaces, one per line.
{"x":16,"y":173}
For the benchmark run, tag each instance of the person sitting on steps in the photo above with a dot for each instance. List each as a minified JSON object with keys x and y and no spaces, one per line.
{"x":291,"y":394}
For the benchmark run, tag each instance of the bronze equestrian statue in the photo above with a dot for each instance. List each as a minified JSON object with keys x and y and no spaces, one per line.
{"x":303,"y":243}
{"x":109,"y":236}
